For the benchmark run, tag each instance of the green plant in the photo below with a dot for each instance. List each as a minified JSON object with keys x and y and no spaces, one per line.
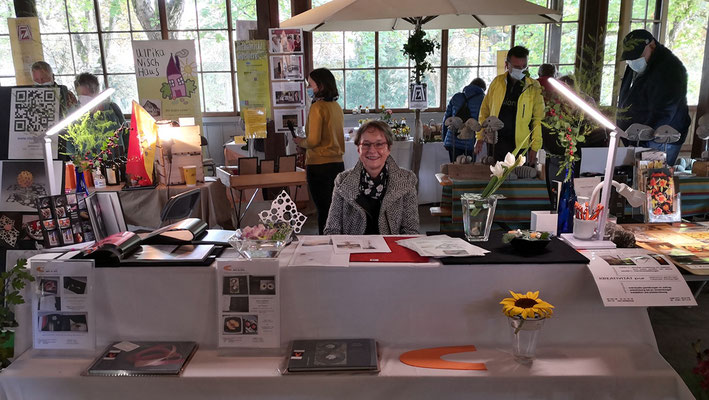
{"x":417,"y":48}
{"x":91,"y":139}
{"x":13,"y":281}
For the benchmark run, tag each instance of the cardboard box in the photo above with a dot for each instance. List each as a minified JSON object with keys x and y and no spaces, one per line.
{"x":700,"y":168}
{"x":186,"y":150}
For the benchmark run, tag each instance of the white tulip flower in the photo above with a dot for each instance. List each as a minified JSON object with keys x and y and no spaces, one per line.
{"x":497,"y":169}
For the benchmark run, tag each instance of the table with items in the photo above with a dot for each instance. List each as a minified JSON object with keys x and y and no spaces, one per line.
{"x":585,"y":350}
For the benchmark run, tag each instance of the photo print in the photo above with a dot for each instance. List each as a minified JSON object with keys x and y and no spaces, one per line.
{"x":23,"y":182}
{"x":288,"y":67}
{"x":10,"y":229}
{"x":250,"y":324}
{"x":285,"y":40}
{"x":235,"y":285}
{"x":288,"y":94}
{"x":235,"y":304}
{"x":63,"y":323}
{"x":262,"y":285}
{"x":75,"y":284}
{"x":233,"y":325}
{"x":282,"y":116}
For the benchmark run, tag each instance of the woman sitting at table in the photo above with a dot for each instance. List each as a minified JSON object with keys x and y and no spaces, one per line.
{"x":374,"y":197}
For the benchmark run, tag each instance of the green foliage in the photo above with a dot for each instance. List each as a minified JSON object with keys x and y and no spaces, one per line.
{"x":13,"y":281}
{"x":417,"y":48}
{"x":165,"y":90}
{"x":190,"y":87}
{"x":90,"y":139}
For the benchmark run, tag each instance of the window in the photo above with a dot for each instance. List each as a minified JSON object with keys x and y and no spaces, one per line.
{"x":205,"y":21}
{"x":686,"y":35}
{"x":609,"y":53}
{"x":7,"y":68}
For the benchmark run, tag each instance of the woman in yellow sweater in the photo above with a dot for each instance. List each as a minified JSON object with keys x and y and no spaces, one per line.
{"x":324,"y":141}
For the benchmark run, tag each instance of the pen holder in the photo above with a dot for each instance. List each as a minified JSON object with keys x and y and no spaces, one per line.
{"x":584,"y":229}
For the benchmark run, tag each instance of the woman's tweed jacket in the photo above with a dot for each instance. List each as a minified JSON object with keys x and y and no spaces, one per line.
{"x":399,"y":211}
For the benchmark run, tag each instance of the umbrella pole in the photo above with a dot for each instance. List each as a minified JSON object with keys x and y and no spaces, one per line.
{"x":418,"y":127}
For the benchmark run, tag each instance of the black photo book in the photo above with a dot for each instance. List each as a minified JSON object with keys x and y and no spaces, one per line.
{"x":143,"y":359}
{"x":333,"y":355}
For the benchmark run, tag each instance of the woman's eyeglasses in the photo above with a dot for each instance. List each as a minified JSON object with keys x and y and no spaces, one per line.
{"x":378,"y":145}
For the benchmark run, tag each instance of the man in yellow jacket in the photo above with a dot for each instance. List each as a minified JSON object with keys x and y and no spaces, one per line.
{"x":516,"y":99}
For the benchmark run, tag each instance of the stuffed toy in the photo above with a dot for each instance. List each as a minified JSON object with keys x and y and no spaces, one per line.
{"x":469,"y":128}
{"x":454,"y":124}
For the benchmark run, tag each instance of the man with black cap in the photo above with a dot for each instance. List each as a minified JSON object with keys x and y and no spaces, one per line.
{"x":654,"y":89}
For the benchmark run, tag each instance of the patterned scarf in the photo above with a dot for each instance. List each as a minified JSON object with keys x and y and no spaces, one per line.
{"x":373,"y":188}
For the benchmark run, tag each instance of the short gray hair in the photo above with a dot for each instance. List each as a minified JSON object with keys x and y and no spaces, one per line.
{"x":375,"y":124}
{"x":42,"y":66}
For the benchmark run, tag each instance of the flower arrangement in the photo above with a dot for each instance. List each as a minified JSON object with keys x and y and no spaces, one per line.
{"x":570,"y":127}
{"x":526,"y":306}
{"x":91,"y":139}
{"x":525,"y":235}
{"x":385,"y":113}
{"x":271,"y":231}
{"x":502,"y":169}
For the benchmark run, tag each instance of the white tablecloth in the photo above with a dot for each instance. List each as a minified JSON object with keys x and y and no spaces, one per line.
{"x":434,"y":154}
{"x":586,"y":351}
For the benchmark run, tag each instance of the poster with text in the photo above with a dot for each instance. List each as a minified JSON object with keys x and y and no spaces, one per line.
{"x":166,"y":73}
{"x":26,"y":44}
{"x":253,"y":83}
{"x":32,"y":111}
{"x":248,"y":303}
{"x":62,"y":304}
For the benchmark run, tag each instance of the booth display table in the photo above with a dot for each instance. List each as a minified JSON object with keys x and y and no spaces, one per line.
{"x":586,"y":351}
{"x":142,"y":207}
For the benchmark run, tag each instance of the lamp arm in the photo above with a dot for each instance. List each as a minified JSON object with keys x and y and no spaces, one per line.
{"x":49,"y":166}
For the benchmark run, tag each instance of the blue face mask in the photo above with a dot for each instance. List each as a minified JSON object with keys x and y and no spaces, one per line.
{"x":638,"y":65}
{"x":310,"y":92}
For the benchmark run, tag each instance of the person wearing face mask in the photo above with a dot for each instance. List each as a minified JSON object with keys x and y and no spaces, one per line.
{"x":653,"y":91}
{"x":375,"y":197}
{"x":87,"y":87}
{"x":42,"y":75}
{"x":324,"y":141}
{"x":516,"y":99}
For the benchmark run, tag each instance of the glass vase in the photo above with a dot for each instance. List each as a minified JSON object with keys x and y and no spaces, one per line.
{"x":478,"y":214}
{"x":567,"y":199}
{"x":525,"y":335}
{"x":81,"y":188}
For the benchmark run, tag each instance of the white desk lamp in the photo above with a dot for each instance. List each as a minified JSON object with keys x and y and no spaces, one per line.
{"x":612,"y":146}
{"x":48,"y":159}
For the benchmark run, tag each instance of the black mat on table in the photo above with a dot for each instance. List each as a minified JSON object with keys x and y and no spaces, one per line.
{"x":557,"y":252}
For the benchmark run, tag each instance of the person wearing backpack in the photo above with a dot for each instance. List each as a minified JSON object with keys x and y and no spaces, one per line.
{"x":463,"y":105}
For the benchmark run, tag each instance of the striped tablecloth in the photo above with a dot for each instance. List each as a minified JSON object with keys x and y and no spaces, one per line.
{"x":695,"y":195}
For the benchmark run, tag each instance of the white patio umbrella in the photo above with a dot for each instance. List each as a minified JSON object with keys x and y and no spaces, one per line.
{"x":378,"y":15}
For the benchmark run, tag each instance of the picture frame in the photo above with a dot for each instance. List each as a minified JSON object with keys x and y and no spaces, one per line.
{"x":22,"y":182}
{"x":282,"y":115}
{"x":291,"y":94}
{"x":285,"y":41}
{"x":286,"y":67}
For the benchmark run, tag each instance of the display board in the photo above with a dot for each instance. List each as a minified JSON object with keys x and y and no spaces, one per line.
{"x":166,"y":73}
{"x":252,"y":75}
{"x":287,"y":85}
{"x":26,"y":44}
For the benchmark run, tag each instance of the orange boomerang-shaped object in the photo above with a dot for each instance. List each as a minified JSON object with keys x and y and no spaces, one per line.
{"x":431,"y":358}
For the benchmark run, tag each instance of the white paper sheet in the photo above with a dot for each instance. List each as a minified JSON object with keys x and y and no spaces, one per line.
{"x":317,"y":251}
{"x":62,"y":304}
{"x":638,"y":278}
{"x":248,"y":303}
{"x":346,"y":244}
{"x":442,"y":246}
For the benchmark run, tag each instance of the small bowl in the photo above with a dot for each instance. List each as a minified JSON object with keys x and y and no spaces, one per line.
{"x":529,"y":246}
{"x":257,"y":248}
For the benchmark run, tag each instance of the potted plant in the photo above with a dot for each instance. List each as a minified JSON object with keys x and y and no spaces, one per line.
{"x":90,"y":140}
{"x":13,"y":281}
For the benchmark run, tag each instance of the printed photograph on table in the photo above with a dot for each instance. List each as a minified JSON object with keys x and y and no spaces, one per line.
{"x":233,"y":325}
{"x":75,"y":285}
{"x":282,"y":116}
{"x":288,"y":94}
{"x":250,"y":324}
{"x":10,"y":229}
{"x":287,"y":67}
{"x":64,"y":322}
{"x":662,"y":203}
{"x":236,"y":304}
{"x":285,"y":40}
{"x":235,"y":285}
{"x":23,"y":182}
{"x":262,"y":285}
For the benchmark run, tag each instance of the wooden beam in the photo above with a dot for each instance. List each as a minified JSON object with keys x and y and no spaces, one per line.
{"x":25,"y":8}
{"x":297,"y":7}
{"x":703,"y":103}
{"x":591,"y":36}
{"x":267,"y":17}
{"x":626,"y":11}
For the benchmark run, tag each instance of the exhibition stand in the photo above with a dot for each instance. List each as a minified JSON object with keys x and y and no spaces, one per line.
{"x":586,"y":350}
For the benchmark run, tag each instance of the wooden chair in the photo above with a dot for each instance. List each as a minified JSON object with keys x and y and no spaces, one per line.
{"x":268,"y":166}
{"x":248,"y":165}
{"x":286,"y":163}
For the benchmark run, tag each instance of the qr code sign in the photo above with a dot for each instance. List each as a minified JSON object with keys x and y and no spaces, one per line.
{"x":34,"y":110}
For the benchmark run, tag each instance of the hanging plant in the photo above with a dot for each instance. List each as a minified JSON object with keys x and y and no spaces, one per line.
{"x":417,"y":48}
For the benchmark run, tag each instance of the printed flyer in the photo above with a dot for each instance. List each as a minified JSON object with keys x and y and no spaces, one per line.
{"x":166,"y":73}
{"x":252,"y":75}
{"x":248,"y":303}
{"x":62,"y":304}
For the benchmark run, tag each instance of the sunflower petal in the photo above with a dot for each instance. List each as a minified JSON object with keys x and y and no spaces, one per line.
{"x":516,"y":296}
